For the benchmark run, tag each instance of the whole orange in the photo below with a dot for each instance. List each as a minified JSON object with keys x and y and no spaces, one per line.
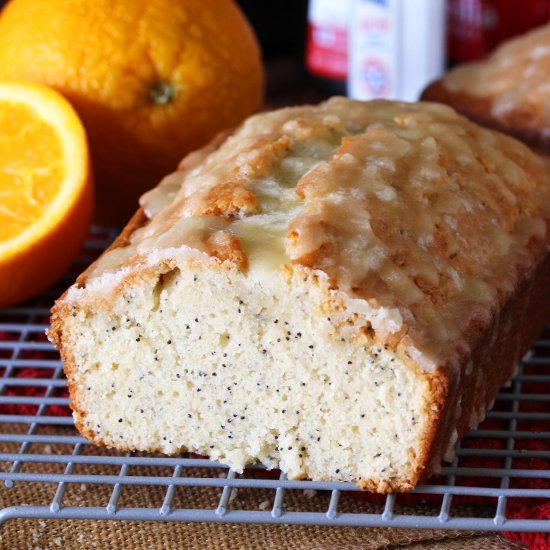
{"x":150,"y":79}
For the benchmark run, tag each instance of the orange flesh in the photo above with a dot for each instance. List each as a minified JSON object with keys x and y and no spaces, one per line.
{"x":31,"y":167}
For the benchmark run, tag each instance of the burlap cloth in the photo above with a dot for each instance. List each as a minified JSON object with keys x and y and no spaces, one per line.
{"x":35,"y":534}
{"x":152,"y":535}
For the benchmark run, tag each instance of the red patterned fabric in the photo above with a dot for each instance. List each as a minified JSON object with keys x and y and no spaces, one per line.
{"x":516,"y":507}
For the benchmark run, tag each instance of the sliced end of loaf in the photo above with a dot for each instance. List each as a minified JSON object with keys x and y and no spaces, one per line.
{"x":243,"y":371}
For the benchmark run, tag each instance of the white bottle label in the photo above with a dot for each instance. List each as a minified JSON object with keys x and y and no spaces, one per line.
{"x":373,"y":55}
{"x":396,"y":47}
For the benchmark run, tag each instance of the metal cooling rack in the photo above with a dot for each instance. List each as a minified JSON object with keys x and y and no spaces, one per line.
{"x":492,"y":473}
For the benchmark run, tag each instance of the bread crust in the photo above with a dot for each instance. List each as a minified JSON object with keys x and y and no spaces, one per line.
{"x":62,"y":310}
{"x":495,"y":354}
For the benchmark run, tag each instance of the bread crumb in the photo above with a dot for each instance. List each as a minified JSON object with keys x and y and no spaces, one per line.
{"x":310,"y":493}
{"x":264,"y":505}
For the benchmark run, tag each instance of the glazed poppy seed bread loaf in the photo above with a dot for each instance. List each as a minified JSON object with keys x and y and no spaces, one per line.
{"x":335,"y":290}
{"x":507,"y":91}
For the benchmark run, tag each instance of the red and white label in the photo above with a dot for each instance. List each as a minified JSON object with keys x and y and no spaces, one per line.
{"x":327,"y":51}
{"x":327,"y":39}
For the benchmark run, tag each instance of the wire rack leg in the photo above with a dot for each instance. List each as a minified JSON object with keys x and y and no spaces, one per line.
{"x":115,"y":495}
{"x":277,"y":511}
{"x":444,"y":512}
{"x":387,"y":515}
{"x":166,"y":507}
{"x":500,"y":516}
{"x":55,"y":506}
{"x":221,"y":510}
{"x":332,"y":511}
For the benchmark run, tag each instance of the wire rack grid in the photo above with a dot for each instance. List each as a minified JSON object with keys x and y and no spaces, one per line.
{"x":500,"y":467}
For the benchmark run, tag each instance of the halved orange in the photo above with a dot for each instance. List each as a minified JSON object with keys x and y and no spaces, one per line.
{"x":46,"y":196}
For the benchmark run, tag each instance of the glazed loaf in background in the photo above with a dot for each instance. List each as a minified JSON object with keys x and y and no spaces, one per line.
{"x":507,"y":91}
{"x":337,"y":290}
